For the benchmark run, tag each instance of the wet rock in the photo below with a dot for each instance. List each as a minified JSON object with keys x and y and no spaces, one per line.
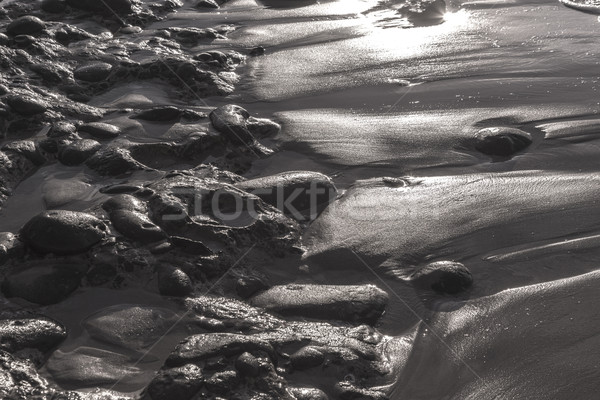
{"x":26,"y":105}
{"x":247,"y":365}
{"x":176,"y":383}
{"x":78,"y":151}
{"x":246,"y":287}
{"x":136,"y":226}
{"x":308,"y":394}
{"x":124,"y":202}
{"x":160,"y":114}
{"x":54,"y":6}
{"x":423,"y":12}
{"x":364,"y":303}
{"x":37,"y":333}
{"x":211,"y":4}
{"x":174,"y":282}
{"x":51,"y":73}
{"x":105,"y":6}
{"x":222,"y":382}
{"x":349,"y":391}
{"x":190,"y":246}
{"x":43,"y":284}
{"x":19,"y":379}
{"x":59,"y":192}
{"x":307,"y":357}
{"x":257,"y":51}
{"x":26,"y":148}
{"x":27,"y":25}
{"x":443,"y":277}
{"x":502,"y":142}
{"x":231,"y":122}
{"x":100,"y":130}
{"x":203,"y":346}
{"x":113,"y":161}
{"x":10,"y":246}
{"x":63,"y":232}
{"x":94,"y":72}
{"x":61,"y":128}
{"x":300,"y":194}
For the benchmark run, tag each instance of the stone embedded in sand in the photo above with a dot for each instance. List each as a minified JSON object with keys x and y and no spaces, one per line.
{"x":113,"y":161}
{"x":200,"y":347}
{"x":248,"y":365}
{"x":44,"y":284}
{"x":78,"y":151}
{"x":230,"y":120}
{"x":51,"y":73}
{"x":174,"y":282}
{"x":26,"y":105}
{"x":443,"y":276}
{"x":190,"y":246}
{"x":54,"y":6}
{"x":27,"y":25}
{"x":502,"y":141}
{"x":100,"y":130}
{"x":36,"y":333}
{"x":63,"y":232}
{"x":307,"y":357}
{"x":353,"y":303}
{"x":105,"y":6}
{"x":94,"y":72}
{"x":136,"y":226}
{"x":125,"y":202}
{"x":61,"y":128}
{"x":175,"y":383}
{"x":249,"y":286}
{"x":300,"y":194}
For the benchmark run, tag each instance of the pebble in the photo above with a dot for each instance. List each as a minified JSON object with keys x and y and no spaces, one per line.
{"x":94,"y":72}
{"x":78,"y":151}
{"x":447,"y":277}
{"x":27,"y":25}
{"x":100,"y":130}
{"x":26,"y":105}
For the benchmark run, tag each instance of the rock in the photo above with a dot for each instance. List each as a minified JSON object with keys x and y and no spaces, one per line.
{"x":307,"y":357}
{"x":212,"y":4}
{"x":59,"y":192}
{"x":190,"y":246}
{"x":159,"y":114}
{"x":63,"y":232}
{"x":247,"y":365}
{"x":113,"y":161}
{"x":61,"y":128}
{"x":26,"y":105}
{"x":78,"y":151}
{"x":125,"y":202}
{"x":37,"y":333}
{"x":10,"y":246}
{"x":249,"y":286}
{"x":44,"y":284}
{"x":423,"y":12}
{"x":174,"y":282}
{"x":136,"y":226}
{"x":27,"y":149}
{"x":106,"y":6}
{"x":175,"y":383}
{"x":257,"y":51}
{"x":502,"y":141}
{"x":19,"y":379}
{"x":27,"y":25}
{"x":364,"y":303}
{"x":51,"y":73}
{"x":300,"y":194}
{"x":308,"y":394}
{"x":222,"y":382}
{"x":54,"y":6}
{"x":100,"y":130}
{"x":94,"y":72}
{"x":230,"y":120}
{"x":200,"y":347}
{"x":443,"y":276}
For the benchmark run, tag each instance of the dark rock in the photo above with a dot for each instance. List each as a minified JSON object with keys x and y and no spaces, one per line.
{"x":10,"y":246}
{"x":26,"y":105}
{"x":307,"y":357}
{"x":125,"y":202}
{"x":94,"y":72}
{"x":49,"y":72}
{"x":54,"y":6}
{"x":299,"y":194}
{"x":502,"y":142}
{"x":174,"y":282}
{"x":222,"y":382}
{"x":27,"y":25}
{"x":364,"y":303}
{"x":158,"y":114}
{"x":48,"y":145}
{"x":27,"y":149}
{"x":63,"y":232}
{"x":200,"y":347}
{"x":231,"y":121}
{"x":257,"y":51}
{"x":212,"y":4}
{"x":100,"y":130}
{"x":78,"y":151}
{"x":136,"y":226}
{"x":249,"y":286}
{"x":443,"y":277}
{"x":191,"y":246}
{"x":20,"y":380}
{"x":24,"y":41}
{"x":61,"y":128}
{"x":176,"y":383}
{"x":247,"y":365}
{"x":106,"y":6}
{"x":113,"y":161}
{"x":37,"y":333}
{"x":308,"y":394}
{"x":44,"y":284}
{"x":423,"y":12}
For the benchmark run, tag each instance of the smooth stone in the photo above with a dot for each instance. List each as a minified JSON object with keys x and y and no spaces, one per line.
{"x":63,"y":232}
{"x":54,"y":6}
{"x":190,"y":246}
{"x":26,"y":105}
{"x":222,"y":382}
{"x":246,"y":287}
{"x":61,"y":128}
{"x":44,"y":285}
{"x":78,"y":151}
{"x":181,"y":383}
{"x":132,"y":327}
{"x":443,"y":277}
{"x":352,"y":303}
{"x":308,"y":394}
{"x":207,"y":4}
{"x":158,"y":114}
{"x":36,"y":333}
{"x":94,"y":72}
{"x":257,"y":51}
{"x":113,"y":161}
{"x":59,"y":192}
{"x":230,"y":121}
{"x":91,"y":367}
{"x":174,"y":282}
{"x":247,"y":365}
{"x":10,"y":246}
{"x":124,"y":202}
{"x":49,"y":72}
{"x":27,"y":25}
{"x":203,"y":346}
{"x":100,"y":130}
{"x":106,"y":6}
{"x":136,"y":226}
{"x":26,"y":148}
{"x":307,"y":357}
{"x":502,"y":142}
{"x":300,"y":194}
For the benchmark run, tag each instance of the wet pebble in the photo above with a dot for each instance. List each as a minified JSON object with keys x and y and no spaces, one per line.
{"x":210,"y":4}
{"x":176,"y":383}
{"x":248,"y":365}
{"x":230,"y":121}
{"x":246,"y":287}
{"x":501,"y":141}
{"x":78,"y":151}
{"x":37,"y":333}
{"x":136,"y":226}
{"x":94,"y":72}
{"x":308,"y":394}
{"x":222,"y":382}
{"x":27,"y":25}
{"x":100,"y":130}
{"x":307,"y":357}
{"x":125,"y":202}
{"x":61,"y":128}
{"x":10,"y":246}
{"x":447,"y":277}
{"x":63,"y":232}
{"x":26,"y":105}
{"x":26,"y":148}
{"x":174,"y":282}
